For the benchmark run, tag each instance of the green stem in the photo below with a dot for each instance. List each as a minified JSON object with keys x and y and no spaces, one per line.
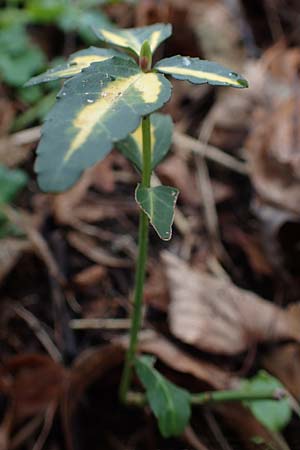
{"x":140,"y":267}
{"x":212,"y":397}
{"x":236,"y":396}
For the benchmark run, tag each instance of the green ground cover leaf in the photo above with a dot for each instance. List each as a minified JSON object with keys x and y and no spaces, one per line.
{"x":273,"y":414}
{"x":169,"y":403}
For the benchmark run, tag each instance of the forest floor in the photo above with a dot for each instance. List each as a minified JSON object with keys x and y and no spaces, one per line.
{"x":221,"y":297}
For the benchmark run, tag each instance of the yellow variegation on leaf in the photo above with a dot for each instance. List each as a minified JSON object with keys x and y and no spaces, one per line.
{"x":199,"y":71}
{"x":133,"y":38}
{"x":98,"y":107}
{"x":76,"y":63}
{"x":161,"y":138}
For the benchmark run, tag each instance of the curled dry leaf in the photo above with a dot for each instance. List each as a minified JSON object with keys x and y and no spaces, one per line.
{"x":216,"y":316}
{"x":274,"y":155}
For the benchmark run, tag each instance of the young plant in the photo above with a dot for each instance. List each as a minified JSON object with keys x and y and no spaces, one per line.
{"x":108,"y":101}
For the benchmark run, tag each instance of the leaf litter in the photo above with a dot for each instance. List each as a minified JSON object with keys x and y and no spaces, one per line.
{"x":212,"y":315}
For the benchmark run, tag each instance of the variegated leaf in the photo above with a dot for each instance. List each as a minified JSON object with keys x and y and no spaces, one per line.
{"x":198,"y":71}
{"x":93,"y":111}
{"x":133,"y":38}
{"x":77,"y":62}
{"x":161,"y":138}
{"x":159,"y":205}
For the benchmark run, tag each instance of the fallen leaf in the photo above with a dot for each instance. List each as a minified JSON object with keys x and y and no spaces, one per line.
{"x":274,"y":155}
{"x":36,"y":382}
{"x":174,"y":171}
{"x":153,"y":343}
{"x":216,"y":316}
{"x":284,"y":363}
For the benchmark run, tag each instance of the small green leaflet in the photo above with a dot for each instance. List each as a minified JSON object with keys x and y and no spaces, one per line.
{"x":169,"y":403}
{"x":76,"y":63}
{"x":95,"y":109}
{"x":273,"y":414}
{"x":19,"y":57}
{"x":161,"y":138}
{"x":11,"y":183}
{"x":159,"y":205}
{"x":133,"y":38}
{"x":199,"y":71}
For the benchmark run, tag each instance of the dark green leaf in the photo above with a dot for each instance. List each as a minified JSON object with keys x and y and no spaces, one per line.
{"x":198,"y":71}
{"x":161,"y":138}
{"x":273,"y":414}
{"x":159,"y":205}
{"x":169,"y":403}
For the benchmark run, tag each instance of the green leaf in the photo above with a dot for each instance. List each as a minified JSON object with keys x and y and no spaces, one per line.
{"x":198,"y":71}
{"x":77,"y":62}
{"x":161,"y":138}
{"x":133,"y":38}
{"x":169,"y":403}
{"x":46,"y":11}
{"x":95,"y":109}
{"x":273,"y":414}
{"x":11,"y":183}
{"x":159,"y":205}
{"x":19,"y":58}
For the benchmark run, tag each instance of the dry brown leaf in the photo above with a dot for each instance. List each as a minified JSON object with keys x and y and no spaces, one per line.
{"x":64,"y":205}
{"x":74,"y":205}
{"x":156,"y":288}
{"x":284,"y":363}
{"x":10,"y":251}
{"x":35,"y":382}
{"x":182,"y":362}
{"x":274,"y":155}
{"x":174,"y":171}
{"x":216,"y":316}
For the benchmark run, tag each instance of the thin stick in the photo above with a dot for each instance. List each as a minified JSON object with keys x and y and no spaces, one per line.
{"x":210,"y":152}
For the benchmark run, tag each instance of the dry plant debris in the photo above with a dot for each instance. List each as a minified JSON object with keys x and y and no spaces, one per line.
{"x":216,"y":316}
